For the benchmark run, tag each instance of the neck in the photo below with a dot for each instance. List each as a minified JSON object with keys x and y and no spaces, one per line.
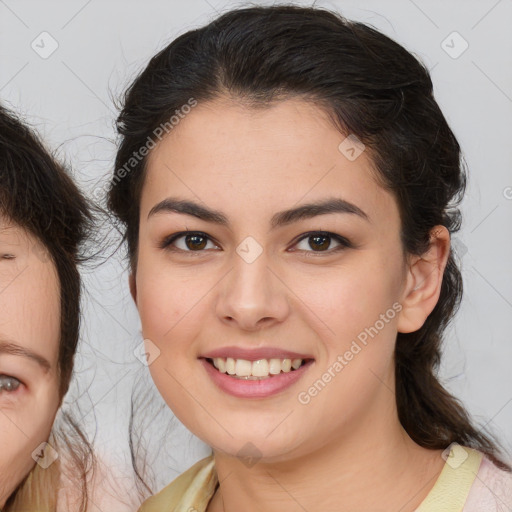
{"x":377,"y":467}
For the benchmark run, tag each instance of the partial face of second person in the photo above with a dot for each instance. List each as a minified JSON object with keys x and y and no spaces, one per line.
{"x":29,"y":344}
{"x":287,"y":289}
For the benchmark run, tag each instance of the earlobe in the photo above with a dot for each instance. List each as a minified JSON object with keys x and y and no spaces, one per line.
{"x":133,"y":287}
{"x":423,"y":283}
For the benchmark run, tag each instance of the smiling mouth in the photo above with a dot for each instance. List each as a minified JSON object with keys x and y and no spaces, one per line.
{"x":255,"y":370}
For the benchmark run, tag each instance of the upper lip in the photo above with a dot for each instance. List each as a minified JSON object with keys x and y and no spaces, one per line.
{"x":254,"y":354}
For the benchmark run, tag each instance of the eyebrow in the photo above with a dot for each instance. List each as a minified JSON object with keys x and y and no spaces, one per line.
{"x":305,"y":211}
{"x":7,"y":347}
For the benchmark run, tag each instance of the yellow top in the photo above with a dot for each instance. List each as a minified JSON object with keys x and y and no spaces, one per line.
{"x":193,"y":490}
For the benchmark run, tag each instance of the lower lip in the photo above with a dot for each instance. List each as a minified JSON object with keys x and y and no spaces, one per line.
{"x":263,"y":388}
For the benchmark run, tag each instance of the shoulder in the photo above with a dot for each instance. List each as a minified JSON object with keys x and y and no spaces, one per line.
{"x":491,"y":490}
{"x":193,"y":489}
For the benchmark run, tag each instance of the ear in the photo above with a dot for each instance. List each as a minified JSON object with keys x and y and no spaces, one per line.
{"x":424,"y":277}
{"x":133,"y":286}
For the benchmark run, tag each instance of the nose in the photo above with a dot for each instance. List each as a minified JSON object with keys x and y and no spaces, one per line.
{"x":251,"y":296}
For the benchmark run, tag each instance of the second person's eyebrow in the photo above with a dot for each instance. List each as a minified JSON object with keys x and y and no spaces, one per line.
{"x":8,"y":347}
{"x":305,"y":211}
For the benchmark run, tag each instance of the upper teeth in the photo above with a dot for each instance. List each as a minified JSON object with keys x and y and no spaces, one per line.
{"x":259,"y":368}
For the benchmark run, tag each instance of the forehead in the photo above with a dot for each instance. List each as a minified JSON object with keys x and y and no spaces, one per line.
{"x":29,"y":293}
{"x":232,"y":156}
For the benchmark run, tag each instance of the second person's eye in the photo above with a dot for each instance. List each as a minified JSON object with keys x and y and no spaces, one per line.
{"x":8,"y":384}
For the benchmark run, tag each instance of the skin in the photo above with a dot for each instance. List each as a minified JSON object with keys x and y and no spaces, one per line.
{"x":29,"y":323}
{"x":345,"y":449}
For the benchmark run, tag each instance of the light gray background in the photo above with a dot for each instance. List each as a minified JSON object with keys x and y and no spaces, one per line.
{"x":103,"y":44}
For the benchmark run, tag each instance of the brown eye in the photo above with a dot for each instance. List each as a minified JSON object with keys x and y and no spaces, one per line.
{"x":195,"y":242}
{"x":320,"y":242}
{"x":187,"y":242}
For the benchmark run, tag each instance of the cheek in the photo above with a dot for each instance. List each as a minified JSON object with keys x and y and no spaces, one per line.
{"x":174,"y":311}
{"x":348,"y":299}
{"x":34,"y":414}
{"x":356,"y":310}
{"x":22,"y":430}
{"x":16,"y":460}
{"x":171,"y":300}
{"x":171,"y":311}
{"x":163,"y":303}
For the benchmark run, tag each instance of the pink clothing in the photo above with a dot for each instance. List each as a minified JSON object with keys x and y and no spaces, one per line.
{"x":491,"y":490}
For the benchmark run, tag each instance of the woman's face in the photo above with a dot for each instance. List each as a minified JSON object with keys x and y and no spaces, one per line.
{"x":29,"y":343}
{"x":256,"y":288}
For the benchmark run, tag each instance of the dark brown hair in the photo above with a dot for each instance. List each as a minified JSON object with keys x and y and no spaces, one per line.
{"x":371,"y":87}
{"x":38,"y":195}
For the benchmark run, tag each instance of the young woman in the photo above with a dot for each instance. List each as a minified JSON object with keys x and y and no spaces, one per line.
{"x":43,"y":221}
{"x":288,"y":186}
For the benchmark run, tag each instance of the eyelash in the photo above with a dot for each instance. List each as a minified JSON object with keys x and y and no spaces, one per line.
{"x":344,"y":243}
{"x":4,"y":378}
